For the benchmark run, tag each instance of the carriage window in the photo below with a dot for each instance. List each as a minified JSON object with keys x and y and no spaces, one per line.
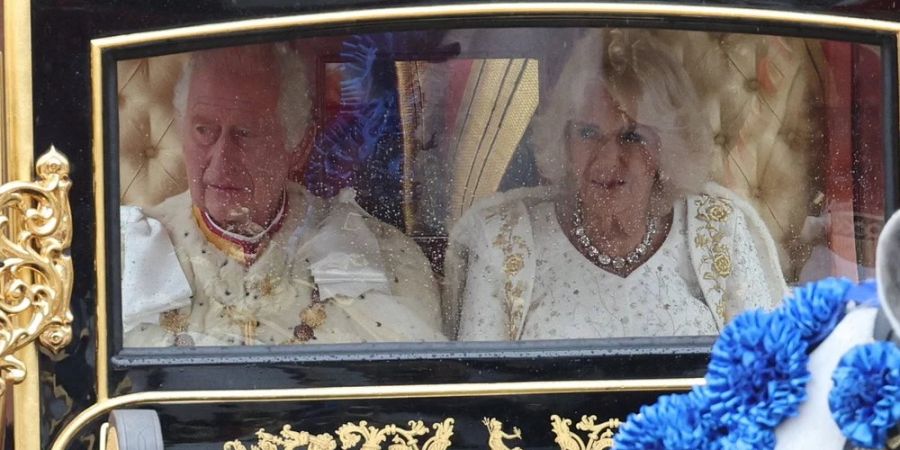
{"x":490,"y":184}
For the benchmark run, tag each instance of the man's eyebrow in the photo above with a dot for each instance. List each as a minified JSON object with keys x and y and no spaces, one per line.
{"x":219,"y":102}
{"x":200,"y":117}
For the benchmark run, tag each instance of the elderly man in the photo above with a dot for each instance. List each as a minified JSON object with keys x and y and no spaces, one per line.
{"x":265,"y":261}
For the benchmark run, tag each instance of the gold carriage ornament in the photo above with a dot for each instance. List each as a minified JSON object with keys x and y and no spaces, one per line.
{"x":367,"y":437}
{"x":35,"y":266}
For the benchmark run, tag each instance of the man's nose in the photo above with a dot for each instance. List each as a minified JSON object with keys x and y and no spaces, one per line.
{"x":224,"y":158}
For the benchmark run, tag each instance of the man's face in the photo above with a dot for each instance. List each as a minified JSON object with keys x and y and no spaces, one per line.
{"x":234,"y":139}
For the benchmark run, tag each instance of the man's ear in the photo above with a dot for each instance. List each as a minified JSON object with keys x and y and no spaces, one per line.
{"x":304,"y":150}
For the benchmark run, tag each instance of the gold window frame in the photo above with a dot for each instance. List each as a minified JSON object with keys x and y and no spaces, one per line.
{"x":19,"y":161}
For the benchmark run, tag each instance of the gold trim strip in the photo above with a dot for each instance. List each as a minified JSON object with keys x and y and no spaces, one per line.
{"x":19,"y":145}
{"x":507,"y":9}
{"x":369,"y":393}
{"x":100,"y":218}
{"x":18,"y":149}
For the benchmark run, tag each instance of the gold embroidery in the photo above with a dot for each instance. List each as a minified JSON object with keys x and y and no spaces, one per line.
{"x":722,"y":264}
{"x":600,"y":436}
{"x":513,"y":264}
{"x":174,"y":322}
{"x":717,"y":212}
{"x":496,"y":436}
{"x":247,"y":323}
{"x":514,"y":249}
{"x":716,"y":260}
{"x":267,"y":286}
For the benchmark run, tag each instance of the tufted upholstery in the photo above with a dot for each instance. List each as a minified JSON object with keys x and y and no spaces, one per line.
{"x":765,"y":102}
{"x":150,"y":163}
{"x":763,"y":95}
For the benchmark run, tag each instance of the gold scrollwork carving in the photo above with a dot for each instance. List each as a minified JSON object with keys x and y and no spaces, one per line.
{"x":403,"y":439}
{"x":35,"y":267}
{"x":351,"y":435}
{"x":600,"y":436}
{"x":288,"y":439}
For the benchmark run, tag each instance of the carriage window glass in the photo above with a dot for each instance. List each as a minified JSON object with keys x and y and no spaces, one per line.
{"x":490,"y":184}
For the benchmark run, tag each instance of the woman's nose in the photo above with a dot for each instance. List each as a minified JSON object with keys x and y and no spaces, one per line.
{"x":608,"y":151}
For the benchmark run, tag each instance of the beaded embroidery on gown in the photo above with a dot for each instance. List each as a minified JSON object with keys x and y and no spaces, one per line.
{"x":512,"y":274}
{"x":574,"y":298}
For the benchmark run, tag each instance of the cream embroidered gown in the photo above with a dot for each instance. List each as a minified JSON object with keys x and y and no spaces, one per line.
{"x":514,"y":275}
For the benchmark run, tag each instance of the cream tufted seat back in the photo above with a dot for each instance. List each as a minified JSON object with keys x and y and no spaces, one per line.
{"x":763,"y":95}
{"x":764,"y":98}
{"x":151,"y":166}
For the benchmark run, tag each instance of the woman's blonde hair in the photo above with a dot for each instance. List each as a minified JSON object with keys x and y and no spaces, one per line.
{"x":636,"y":69}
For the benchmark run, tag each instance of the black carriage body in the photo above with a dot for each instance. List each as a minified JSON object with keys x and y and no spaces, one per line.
{"x":208,"y":397}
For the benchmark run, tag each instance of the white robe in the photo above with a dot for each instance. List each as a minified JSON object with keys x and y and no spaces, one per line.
{"x":379,"y":282}
{"x":512,"y":273}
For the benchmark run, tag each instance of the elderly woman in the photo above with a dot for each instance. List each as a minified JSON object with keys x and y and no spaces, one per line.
{"x":628,"y":238}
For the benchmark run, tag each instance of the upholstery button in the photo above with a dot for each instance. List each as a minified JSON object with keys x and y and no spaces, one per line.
{"x":151,"y":152}
{"x":757,"y":192}
{"x":720,"y":140}
{"x":752,"y":85}
{"x":792,"y":137}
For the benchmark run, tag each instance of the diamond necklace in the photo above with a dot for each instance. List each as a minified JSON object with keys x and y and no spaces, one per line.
{"x":603,"y":259}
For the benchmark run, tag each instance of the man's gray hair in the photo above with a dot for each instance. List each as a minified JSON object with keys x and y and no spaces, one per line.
{"x":294,"y":103}
{"x":636,"y":69}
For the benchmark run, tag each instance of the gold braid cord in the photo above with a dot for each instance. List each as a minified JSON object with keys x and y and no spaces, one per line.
{"x":351,"y":435}
{"x":35,"y":268}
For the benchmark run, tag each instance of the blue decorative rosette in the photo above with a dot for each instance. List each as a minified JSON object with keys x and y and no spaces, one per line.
{"x":749,"y":437}
{"x":865,"y":399}
{"x":758,"y":375}
{"x":815,"y":309}
{"x":675,"y":422}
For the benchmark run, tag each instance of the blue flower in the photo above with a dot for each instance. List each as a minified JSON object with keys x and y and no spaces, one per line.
{"x":758,"y":372}
{"x":865,"y":399}
{"x":674,"y":422}
{"x":864,"y":293}
{"x":757,"y":378}
{"x":815,"y":309}
{"x":747,"y":436}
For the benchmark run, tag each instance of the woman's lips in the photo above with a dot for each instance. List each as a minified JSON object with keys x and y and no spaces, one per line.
{"x":609,"y":184}
{"x":224,"y":188}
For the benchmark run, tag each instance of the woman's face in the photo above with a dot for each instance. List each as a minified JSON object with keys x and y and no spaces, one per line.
{"x":613,"y":159}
